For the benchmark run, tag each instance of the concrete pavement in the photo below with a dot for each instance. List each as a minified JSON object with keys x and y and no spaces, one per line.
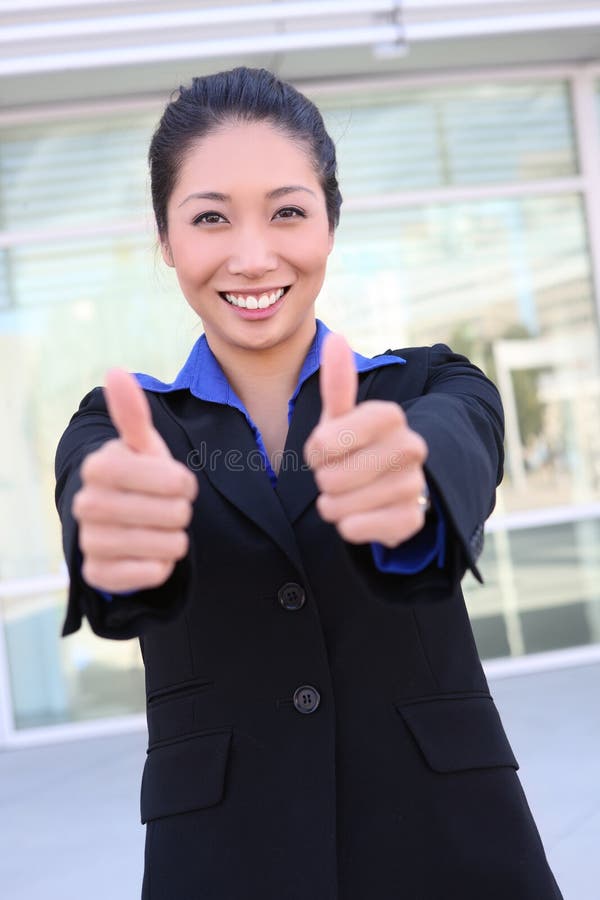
{"x":69,"y":812}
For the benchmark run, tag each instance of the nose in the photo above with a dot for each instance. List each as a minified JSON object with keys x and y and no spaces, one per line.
{"x":252,"y":255}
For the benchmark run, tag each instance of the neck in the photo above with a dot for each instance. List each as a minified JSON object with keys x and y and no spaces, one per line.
{"x":269,"y":373}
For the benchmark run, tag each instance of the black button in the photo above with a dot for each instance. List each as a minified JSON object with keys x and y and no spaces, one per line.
{"x":291,"y":596}
{"x":306,"y":698}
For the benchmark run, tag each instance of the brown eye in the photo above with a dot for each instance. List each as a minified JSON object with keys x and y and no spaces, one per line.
{"x":289,"y":212}
{"x":209,"y":218}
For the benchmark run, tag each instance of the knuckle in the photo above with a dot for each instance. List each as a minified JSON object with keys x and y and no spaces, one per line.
{"x":390,"y":413}
{"x":410,"y":444}
{"x":419,"y":444}
{"x":182,"y":512}
{"x":83,"y":539}
{"x":91,"y":571}
{"x":327,"y":507}
{"x":85,"y":502}
{"x":158,"y":572}
{"x":88,"y":467}
{"x":194,"y":486}
{"x":77,"y":505}
{"x":417,"y":520}
{"x":330,"y":478}
{"x":314,"y":442}
{"x":348,"y":530}
{"x":321,"y":477}
{"x":86,"y":539}
{"x":181,"y":477}
{"x":308,"y":450}
{"x":416,"y":483}
{"x":396,"y":414}
{"x":182,"y":545}
{"x":396,"y":459}
{"x":99,"y":461}
{"x":312,"y":454}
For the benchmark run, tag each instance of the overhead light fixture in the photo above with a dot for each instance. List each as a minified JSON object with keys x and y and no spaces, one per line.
{"x":382,"y":27}
{"x":399,"y":46}
{"x":218,"y":47}
{"x":224,"y":15}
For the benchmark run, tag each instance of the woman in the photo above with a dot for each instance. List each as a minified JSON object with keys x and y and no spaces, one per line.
{"x":319,"y":722}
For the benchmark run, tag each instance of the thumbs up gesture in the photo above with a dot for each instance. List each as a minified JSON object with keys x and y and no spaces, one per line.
{"x":135,"y":501}
{"x":367,"y":462}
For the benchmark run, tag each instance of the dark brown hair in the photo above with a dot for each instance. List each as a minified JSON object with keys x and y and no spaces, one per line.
{"x":238,"y":95}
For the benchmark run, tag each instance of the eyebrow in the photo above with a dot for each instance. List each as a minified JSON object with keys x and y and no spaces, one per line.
{"x":272,"y":195}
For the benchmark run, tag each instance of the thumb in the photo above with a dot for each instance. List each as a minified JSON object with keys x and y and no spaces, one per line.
{"x":130,"y":413}
{"x":338,"y":377}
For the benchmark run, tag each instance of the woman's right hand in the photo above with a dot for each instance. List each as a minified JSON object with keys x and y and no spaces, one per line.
{"x":135,"y":501}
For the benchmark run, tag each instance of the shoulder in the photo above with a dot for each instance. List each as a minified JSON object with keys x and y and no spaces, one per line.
{"x":436,"y":361}
{"x":156,"y":391}
{"x":92,"y":411}
{"x":423,"y":355}
{"x":435,"y":368}
{"x":420,"y":362}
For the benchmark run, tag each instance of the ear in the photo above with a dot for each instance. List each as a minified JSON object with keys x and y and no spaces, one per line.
{"x":165,"y":249}
{"x":330,"y":241}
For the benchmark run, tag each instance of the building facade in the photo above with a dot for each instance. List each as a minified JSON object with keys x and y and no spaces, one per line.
{"x":468,"y":138}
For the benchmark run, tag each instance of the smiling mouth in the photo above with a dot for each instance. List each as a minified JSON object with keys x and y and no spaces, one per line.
{"x":255,"y":301}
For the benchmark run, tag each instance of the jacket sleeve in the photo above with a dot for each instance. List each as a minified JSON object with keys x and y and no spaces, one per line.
{"x":126,"y":615}
{"x":460,"y":415}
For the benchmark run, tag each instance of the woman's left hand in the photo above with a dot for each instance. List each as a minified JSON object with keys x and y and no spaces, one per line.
{"x":367,"y":462}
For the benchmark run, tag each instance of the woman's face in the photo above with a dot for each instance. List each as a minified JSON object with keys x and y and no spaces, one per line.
{"x":248,"y":236}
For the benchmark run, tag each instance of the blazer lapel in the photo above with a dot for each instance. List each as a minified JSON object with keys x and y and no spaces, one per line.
{"x":225,"y":450}
{"x":296,"y":486}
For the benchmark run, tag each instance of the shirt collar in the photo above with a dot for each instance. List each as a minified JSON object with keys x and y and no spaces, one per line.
{"x":203,"y":376}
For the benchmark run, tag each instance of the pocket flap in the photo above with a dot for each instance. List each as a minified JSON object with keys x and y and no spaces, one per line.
{"x":185,"y":774}
{"x":457,"y":733}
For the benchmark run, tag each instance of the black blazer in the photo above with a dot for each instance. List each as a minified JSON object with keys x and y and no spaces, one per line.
{"x":318,"y":729}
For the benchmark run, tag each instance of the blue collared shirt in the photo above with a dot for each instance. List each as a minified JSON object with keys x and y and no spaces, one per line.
{"x":203,"y":376}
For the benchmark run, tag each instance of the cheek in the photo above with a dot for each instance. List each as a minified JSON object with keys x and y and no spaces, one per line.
{"x":322,"y":259}
{"x":311,"y":254}
{"x":196,"y":262}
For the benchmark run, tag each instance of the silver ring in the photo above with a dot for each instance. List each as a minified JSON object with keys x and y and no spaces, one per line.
{"x":424,"y":500}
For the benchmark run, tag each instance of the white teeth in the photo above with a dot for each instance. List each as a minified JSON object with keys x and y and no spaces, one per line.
{"x":251,"y":302}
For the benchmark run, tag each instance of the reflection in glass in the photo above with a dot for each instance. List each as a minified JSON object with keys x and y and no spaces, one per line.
{"x":541,"y":592}
{"x":507,"y":283}
{"x":54,"y":681}
{"x":398,"y":140}
{"x":74,"y":172}
{"x":81,"y":307}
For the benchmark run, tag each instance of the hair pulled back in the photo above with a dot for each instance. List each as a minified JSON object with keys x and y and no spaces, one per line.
{"x":238,"y":95}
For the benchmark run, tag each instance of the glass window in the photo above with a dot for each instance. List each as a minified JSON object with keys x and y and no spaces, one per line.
{"x":69,"y":309}
{"x":113,"y":304}
{"x":76,"y":172}
{"x":108,"y":302}
{"x":4,"y":280}
{"x":541,"y":591}
{"x":506,"y":281}
{"x":54,"y":681}
{"x":477,"y":134}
